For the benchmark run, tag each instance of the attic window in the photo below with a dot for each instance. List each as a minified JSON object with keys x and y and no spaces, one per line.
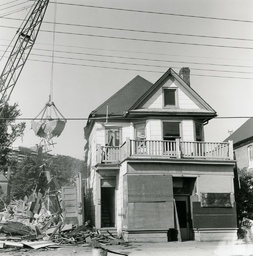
{"x":170,"y":99}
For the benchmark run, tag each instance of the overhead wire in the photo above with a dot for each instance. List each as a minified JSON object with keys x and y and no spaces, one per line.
{"x":149,"y":59}
{"x":139,"y":70}
{"x":8,"y":3}
{"x":144,"y":59}
{"x":145,"y":31}
{"x":146,"y":65}
{"x":15,"y":11}
{"x":156,"y":13}
{"x":28,"y":13}
{"x":109,"y":117}
{"x":146,"y":40}
{"x":14,"y":5}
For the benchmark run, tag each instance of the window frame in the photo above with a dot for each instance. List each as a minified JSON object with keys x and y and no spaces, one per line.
{"x":135,"y":130}
{"x":107,"y":141}
{"x":172,"y":137}
{"x":175,"y":95}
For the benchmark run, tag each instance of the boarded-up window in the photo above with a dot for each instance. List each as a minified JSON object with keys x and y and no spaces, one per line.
{"x":150,"y":202}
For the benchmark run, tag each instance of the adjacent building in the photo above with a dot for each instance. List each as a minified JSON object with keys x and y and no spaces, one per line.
{"x":151,"y":174}
{"x":243,"y":145}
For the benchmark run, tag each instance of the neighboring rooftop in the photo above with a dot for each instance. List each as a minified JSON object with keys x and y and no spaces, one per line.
{"x":243,"y":133}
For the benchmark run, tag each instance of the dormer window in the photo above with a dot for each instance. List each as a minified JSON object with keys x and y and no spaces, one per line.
{"x":170,"y":97}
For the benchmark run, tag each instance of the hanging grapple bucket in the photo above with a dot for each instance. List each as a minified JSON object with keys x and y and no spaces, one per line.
{"x":49,"y":127}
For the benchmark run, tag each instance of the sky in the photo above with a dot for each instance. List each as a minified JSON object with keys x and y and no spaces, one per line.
{"x":99,"y":46}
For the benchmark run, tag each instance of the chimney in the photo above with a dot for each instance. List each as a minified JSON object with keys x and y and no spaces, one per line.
{"x":184,"y":73}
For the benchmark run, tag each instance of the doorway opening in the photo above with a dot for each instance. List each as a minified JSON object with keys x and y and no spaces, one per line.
{"x":183,"y":189}
{"x":107,"y":207}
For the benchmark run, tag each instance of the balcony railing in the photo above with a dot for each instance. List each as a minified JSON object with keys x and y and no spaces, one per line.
{"x":165,"y":149}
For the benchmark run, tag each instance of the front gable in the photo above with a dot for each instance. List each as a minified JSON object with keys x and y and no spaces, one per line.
{"x":171,"y":94}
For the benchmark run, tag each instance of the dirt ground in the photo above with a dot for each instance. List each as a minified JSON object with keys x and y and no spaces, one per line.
{"x":65,"y":250}
{"x":61,"y":251}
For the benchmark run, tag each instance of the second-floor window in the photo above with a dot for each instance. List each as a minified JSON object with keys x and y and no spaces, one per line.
{"x":250,"y":155}
{"x":171,"y":130}
{"x":140,"y":133}
{"x":199,"y":131}
{"x":170,"y":97}
{"x":112,"y":136}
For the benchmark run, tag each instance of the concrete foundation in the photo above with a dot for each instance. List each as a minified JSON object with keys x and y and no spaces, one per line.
{"x":210,"y":235}
{"x":151,"y":236}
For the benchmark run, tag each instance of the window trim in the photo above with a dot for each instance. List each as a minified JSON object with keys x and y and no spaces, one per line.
{"x":176,"y":97}
{"x":174,"y":121}
{"x":135,"y":130}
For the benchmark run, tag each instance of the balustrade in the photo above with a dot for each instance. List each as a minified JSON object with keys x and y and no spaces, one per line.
{"x":166,"y":149}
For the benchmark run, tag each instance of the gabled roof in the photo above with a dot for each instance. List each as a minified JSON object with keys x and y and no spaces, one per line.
{"x":183,"y":85}
{"x":124,"y":99}
{"x":243,"y":133}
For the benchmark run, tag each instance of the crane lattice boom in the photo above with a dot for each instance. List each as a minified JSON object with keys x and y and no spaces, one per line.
{"x":21,"y":50}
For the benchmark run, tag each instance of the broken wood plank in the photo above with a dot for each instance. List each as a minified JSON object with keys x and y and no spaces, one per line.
{"x":39,"y":244}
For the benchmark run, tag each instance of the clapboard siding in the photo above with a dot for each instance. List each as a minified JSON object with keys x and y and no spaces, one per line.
{"x":184,"y":101}
{"x":187,"y":130}
{"x":213,"y":217}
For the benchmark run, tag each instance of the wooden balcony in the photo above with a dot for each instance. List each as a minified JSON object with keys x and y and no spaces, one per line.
{"x":165,"y":150}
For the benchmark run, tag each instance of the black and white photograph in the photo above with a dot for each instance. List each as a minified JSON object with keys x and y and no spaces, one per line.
{"x":126,"y":127}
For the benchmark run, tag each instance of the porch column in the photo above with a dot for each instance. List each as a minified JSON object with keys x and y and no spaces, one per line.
{"x":178,"y":149}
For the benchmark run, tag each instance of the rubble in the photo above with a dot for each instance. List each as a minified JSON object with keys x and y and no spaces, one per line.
{"x":19,"y":229}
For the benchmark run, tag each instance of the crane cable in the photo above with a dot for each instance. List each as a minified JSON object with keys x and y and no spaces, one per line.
{"x":53,"y":53}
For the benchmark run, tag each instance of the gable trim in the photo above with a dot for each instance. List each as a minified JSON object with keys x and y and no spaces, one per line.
{"x":184,"y":86}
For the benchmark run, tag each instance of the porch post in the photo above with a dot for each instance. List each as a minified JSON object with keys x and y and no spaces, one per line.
{"x":230,"y":150}
{"x":178,"y":150}
{"x":98,"y":154}
{"x":128,"y":149}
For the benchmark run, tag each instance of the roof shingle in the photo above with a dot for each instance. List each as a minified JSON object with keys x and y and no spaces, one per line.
{"x":124,"y":99}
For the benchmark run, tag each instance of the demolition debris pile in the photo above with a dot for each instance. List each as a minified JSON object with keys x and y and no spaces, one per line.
{"x":46,"y":230}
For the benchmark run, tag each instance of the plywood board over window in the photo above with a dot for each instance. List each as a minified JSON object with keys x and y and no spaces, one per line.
{"x":150,"y":202}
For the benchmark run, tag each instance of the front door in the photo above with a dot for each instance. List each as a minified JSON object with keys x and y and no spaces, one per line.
{"x":183,"y":216}
{"x":107,"y":207}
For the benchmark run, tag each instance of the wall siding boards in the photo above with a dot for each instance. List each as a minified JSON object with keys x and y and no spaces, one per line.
{"x":204,"y":217}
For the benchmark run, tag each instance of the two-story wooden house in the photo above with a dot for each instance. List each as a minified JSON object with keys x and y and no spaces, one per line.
{"x":151,"y":174}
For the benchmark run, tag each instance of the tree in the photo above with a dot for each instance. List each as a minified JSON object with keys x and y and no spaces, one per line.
{"x":245,"y":195}
{"x":9,"y":132}
{"x":65,"y":168}
{"x":30,"y":173}
{"x":27,"y":176}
